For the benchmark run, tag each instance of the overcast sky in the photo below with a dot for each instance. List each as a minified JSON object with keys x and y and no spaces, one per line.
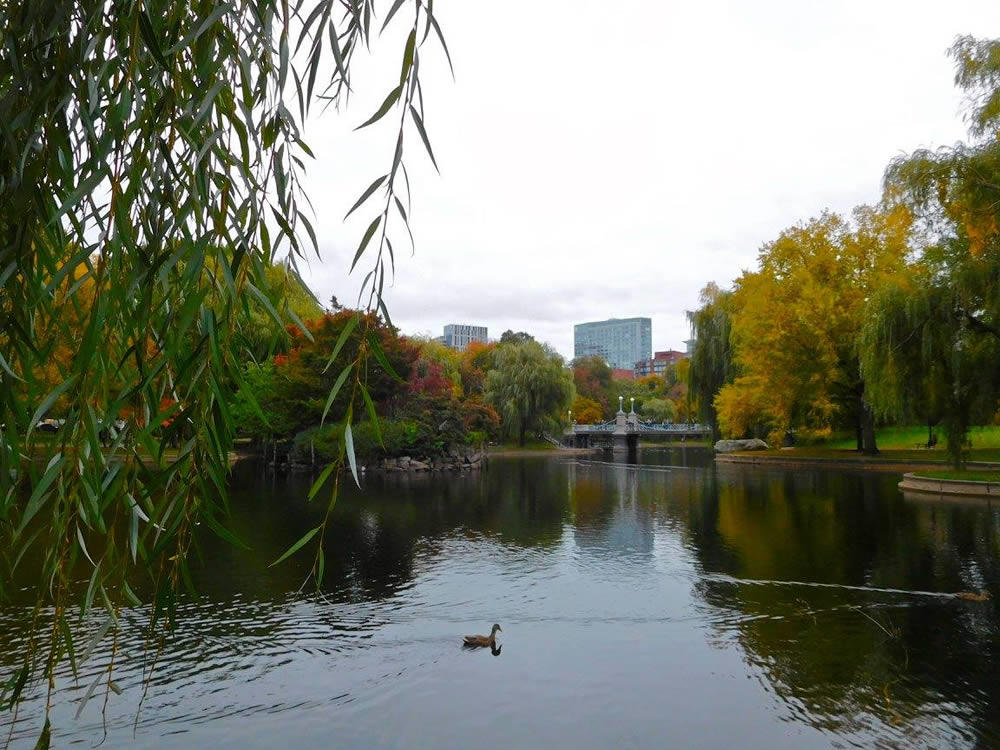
{"x":599,"y":165}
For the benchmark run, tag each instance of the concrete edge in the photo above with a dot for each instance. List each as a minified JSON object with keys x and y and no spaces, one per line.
{"x":960,"y":487}
{"x":893,"y":465}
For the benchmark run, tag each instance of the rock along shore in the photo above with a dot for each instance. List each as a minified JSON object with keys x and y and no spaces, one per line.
{"x":455,"y":460}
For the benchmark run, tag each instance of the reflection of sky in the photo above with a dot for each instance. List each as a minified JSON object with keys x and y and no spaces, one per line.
{"x":623,"y":530}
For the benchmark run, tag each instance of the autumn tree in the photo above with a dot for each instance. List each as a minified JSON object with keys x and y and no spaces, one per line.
{"x":587,"y":411}
{"x":794,"y":337}
{"x":592,"y":378}
{"x":652,"y":384}
{"x":293,"y":390}
{"x":676,"y":378}
{"x":475,"y":362}
{"x":448,"y":361}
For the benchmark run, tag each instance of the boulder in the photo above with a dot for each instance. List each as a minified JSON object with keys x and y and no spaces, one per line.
{"x":730,"y":446}
{"x":415,"y":465}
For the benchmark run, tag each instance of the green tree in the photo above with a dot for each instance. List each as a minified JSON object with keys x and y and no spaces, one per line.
{"x":518,"y":337}
{"x":712,"y":364}
{"x":932,"y":345}
{"x":530,"y":388}
{"x":659,"y":410}
{"x":919,"y":353}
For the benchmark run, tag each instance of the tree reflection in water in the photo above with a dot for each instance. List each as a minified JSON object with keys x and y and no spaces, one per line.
{"x":829,"y":591}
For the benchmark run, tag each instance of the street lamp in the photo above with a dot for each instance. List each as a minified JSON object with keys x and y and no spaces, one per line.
{"x":621,"y":406}
{"x":632,"y":400}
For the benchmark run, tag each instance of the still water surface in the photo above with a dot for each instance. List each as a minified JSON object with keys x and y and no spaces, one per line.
{"x":673,"y":603}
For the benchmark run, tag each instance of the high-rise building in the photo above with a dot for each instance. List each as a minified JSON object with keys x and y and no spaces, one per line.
{"x":459,"y":336}
{"x":621,"y":342}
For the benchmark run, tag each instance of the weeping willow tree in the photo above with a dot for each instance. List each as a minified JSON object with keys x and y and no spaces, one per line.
{"x":712,"y":358}
{"x":933,"y":345}
{"x":921,"y":358}
{"x":530,"y":388}
{"x":151,"y":164}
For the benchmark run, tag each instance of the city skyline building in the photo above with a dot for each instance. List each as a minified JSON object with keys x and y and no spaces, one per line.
{"x":460,"y":335}
{"x":621,"y":342}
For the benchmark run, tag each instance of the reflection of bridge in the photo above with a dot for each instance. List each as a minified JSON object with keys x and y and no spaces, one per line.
{"x":624,"y":431}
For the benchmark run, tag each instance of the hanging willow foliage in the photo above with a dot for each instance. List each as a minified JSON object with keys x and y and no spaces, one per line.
{"x":151,"y":162}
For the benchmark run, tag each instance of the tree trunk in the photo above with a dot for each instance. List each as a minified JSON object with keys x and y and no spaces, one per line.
{"x":520,"y":437}
{"x":868,"y":445}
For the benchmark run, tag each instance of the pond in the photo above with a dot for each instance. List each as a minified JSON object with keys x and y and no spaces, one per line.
{"x":667,"y":603}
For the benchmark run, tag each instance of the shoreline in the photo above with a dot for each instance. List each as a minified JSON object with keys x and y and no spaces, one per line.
{"x":503,"y":452}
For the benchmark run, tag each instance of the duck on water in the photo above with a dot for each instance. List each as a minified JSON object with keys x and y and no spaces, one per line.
{"x":477,"y":641}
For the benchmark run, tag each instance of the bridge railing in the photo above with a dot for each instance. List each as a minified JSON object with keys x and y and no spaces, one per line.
{"x":600,"y":427}
{"x":678,"y":427}
{"x":673,"y":427}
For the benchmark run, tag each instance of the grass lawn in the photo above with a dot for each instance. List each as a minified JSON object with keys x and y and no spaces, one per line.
{"x":968,"y":476}
{"x":913,"y":437}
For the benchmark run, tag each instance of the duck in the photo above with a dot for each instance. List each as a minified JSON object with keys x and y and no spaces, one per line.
{"x":475,"y":641}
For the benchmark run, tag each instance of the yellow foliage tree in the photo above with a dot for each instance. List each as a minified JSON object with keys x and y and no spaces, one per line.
{"x":797,"y":321}
{"x":586,"y":410}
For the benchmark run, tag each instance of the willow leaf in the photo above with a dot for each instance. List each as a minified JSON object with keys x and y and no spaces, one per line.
{"x":335,"y":390}
{"x":297,"y":546}
{"x":386,"y":105}
{"x":349,"y":449}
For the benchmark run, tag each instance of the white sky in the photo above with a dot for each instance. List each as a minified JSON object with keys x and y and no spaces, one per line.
{"x":600,"y":165}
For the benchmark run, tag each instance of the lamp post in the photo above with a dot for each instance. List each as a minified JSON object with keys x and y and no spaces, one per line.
{"x":621,"y":406}
{"x":569,"y":416}
{"x":632,"y":401}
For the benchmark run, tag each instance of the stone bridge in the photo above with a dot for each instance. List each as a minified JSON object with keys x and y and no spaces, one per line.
{"x":623,"y":433}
